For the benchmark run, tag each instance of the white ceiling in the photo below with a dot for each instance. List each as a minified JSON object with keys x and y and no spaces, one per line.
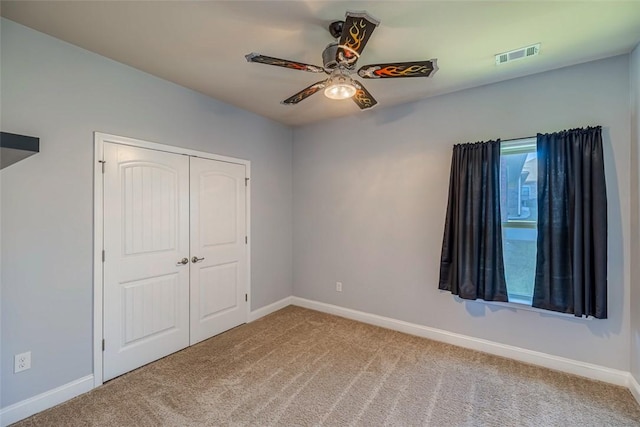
{"x":201,"y":44}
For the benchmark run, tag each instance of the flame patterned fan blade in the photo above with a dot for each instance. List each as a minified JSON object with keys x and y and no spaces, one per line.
{"x":255,"y":57}
{"x":356,"y":31}
{"x":362,"y":97}
{"x":305,"y":93}
{"x":399,"y":69}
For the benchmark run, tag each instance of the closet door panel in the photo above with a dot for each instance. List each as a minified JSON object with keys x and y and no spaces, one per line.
{"x":218,"y":247}
{"x":146,"y":236}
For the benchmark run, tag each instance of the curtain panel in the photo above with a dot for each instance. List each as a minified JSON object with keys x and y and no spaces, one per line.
{"x":571,"y":262}
{"x":471,"y":265}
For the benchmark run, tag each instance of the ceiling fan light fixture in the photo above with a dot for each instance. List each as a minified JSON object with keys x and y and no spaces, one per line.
{"x":339,"y":86}
{"x":340,"y":91}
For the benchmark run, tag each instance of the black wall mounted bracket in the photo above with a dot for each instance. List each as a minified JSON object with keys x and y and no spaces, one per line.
{"x":14,"y":148}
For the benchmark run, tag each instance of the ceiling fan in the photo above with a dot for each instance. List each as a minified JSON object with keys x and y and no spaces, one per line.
{"x":339,"y":59}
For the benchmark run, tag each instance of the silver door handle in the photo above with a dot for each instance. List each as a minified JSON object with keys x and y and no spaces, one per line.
{"x":183,"y":261}
{"x":196,"y":259}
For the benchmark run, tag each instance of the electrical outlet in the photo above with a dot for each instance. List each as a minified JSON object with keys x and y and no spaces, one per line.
{"x":22,"y":362}
{"x":339,"y":286}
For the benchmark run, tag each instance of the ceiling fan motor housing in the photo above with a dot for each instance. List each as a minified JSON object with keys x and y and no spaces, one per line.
{"x":329,"y":56}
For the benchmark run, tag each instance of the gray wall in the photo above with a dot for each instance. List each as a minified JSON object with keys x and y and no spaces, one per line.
{"x":635,"y":217}
{"x":63,"y":94}
{"x":370,"y":200}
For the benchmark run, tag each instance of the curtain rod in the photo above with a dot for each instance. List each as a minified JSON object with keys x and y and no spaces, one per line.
{"x":536,"y":136}
{"x":515,"y":139}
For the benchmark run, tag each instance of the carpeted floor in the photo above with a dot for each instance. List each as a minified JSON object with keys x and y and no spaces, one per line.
{"x":299,"y":367}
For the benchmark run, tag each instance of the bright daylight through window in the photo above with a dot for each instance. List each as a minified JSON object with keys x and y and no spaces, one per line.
{"x":519,"y":210}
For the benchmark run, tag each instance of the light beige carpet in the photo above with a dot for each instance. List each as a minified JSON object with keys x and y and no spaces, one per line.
{"x":299,"y":367}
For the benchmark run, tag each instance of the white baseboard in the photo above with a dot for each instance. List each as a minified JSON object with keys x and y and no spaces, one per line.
{"x":48,"y":399}
{"x":268,"y":309}
{"x":634,"y":388}
{"x":588,"y":370}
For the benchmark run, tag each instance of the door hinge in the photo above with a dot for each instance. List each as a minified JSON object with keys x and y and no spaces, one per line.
{"x":102,"y":162}
{"x":103,"y":255}
{"x":246,"y":240}
{"x":246,"y":297}
{"x":246,"y":182}
{"x":103,"y":345}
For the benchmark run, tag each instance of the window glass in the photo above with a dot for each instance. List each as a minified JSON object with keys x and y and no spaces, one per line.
{"x":519,"y":210}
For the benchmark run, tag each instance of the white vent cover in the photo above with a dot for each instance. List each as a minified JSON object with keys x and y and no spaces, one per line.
{"x":514,"y":55}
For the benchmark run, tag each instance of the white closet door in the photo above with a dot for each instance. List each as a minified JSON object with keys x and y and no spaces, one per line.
{"x":218,"y":247}
{"x":146,"y":239}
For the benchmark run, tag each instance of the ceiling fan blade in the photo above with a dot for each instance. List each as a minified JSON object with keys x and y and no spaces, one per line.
{"x":305,"y":93}
{"x":357,"y":29}
{"x":255,"y":57}
{"x":362,"y":97}
{"x":399,"y":69}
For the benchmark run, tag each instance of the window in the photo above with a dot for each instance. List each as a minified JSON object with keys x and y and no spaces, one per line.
{"x":552,"y":252}
{"x":519,"y":210}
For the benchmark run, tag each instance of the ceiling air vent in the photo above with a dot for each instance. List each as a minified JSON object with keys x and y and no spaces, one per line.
{"x":523,"y":52}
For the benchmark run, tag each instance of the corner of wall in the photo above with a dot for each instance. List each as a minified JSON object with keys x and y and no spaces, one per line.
{"x":634,"y":84}
{"x":292,"y":138}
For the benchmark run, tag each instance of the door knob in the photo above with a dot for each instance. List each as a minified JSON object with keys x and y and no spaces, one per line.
{"x":183,"y":261}
{"x":196,"y":259}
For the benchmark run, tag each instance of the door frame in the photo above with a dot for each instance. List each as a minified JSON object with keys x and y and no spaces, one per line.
{"x":98,"y":228}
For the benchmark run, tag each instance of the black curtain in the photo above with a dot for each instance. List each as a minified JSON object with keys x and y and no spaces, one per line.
{"x":471,"y":265}
{"x":571,"y":264}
